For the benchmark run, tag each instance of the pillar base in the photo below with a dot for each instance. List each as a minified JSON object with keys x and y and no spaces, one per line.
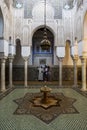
{"x":3,"y":90}
{"x":11,"y":86}
{"x":26,"y":86}
{"x":61,"y":86}
{"x":74,"y":86}
{"x":83,"y":89}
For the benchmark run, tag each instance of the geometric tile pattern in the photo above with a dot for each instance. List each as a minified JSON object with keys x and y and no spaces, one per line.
{"x":84,"y":93}
{"x":9,"y":121}
{"x":26,"y":106}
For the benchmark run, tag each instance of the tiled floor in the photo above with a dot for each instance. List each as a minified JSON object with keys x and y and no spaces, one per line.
{"x":9,"y":121}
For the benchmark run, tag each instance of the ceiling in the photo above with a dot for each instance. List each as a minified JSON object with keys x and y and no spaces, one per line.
{"x":58,"y":5}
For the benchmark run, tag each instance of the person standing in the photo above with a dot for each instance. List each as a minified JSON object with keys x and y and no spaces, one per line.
{"x":49,"y":74}
{"x":40,"y":73}
{"x":46,"y":73}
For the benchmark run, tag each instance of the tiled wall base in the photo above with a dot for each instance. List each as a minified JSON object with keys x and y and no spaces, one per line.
{"x":67,"y":73}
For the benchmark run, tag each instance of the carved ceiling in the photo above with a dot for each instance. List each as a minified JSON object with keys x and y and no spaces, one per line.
{"x":58,"y":5}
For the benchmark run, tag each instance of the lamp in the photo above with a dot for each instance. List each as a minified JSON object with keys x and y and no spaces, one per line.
{"x":45,"y":43}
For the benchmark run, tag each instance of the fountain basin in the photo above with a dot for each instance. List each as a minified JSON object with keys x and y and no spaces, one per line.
{"x":46,"y":101}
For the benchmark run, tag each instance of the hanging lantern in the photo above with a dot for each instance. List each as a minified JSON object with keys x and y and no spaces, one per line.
{"x":45,"y":43}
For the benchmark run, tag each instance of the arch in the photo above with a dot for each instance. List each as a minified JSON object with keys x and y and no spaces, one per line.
{"x":42,"y":26}
{"x":85,"y":26}
{"x":68,"y":41}
{"x":67,"y":59}
{"x":16,"y":39}
{"x":5,"y":13}
{"x":37,"y":52}
{"x":1,"y":24}
{"x":18,"y":60}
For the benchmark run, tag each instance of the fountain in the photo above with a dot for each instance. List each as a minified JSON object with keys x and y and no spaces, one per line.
{"x":46,"y":100}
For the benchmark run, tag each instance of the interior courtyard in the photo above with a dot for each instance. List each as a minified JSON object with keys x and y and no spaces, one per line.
{"x":43,"y":64}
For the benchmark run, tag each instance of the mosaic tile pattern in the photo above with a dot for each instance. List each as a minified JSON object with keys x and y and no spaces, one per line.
{"x":26,"y":106}
{"x":18,"y":73}
{"x":84,"y":93}
{"x":3,"y":94}
{"x":8,"y":121}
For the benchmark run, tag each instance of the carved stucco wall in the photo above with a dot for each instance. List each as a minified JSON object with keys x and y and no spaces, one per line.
{"x":26,"y":35}
{"x":62,"y":28}
{"x":17,"y":31}
{"x":79,"y":29}
{"x":5,"y":13}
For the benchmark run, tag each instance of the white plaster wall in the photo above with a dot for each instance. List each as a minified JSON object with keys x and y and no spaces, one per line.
{"x":11,"y":49}
{"x":79,"y":28}
{"x":80,"y":48}
{"x":60,"y":52}
{"x":25,"y":52}
{"x":4,"y":47}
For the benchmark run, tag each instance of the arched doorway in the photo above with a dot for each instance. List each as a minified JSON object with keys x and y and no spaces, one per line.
{"x":67,"y":59}
{"x":18,"y":64}
{"x":1,"y":34}
{"x":39,"y":56}
{"x":1,"y":25}
{"x":18,"y":60}
{"x":85,"y":26}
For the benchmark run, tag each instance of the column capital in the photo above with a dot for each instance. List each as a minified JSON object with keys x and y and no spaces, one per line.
{"x":60,"y":59}
{"x":10,"y":56}
{"x":25,"y":58}
{"x":83,"y":59}
{"x":3,"y":60}
{"x":3,"y":57}
{"x":75,"y":57}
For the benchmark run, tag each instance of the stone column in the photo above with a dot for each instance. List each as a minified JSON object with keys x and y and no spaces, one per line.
{"x":25,"y":71}
{"x":75,"y":59}
{"x":60,"y":71}
{"x":10,"y":71}
{"x":3,"y":88}
{"x":83,"y":60}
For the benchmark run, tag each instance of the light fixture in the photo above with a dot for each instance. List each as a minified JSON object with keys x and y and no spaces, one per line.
{"x":66,"y":7}
{"x":18,"y":5}
{"x":45,"y":43}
